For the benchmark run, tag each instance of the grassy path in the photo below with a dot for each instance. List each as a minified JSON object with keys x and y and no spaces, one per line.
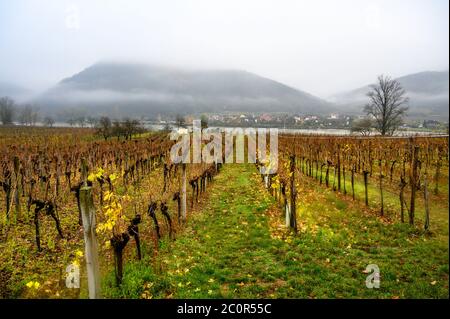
{"x":238,"y":247}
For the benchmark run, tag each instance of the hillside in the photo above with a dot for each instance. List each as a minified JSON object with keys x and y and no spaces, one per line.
{"x":428,"y":93}
{"x":137,"y":89}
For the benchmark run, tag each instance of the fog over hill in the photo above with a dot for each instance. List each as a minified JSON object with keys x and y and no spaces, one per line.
{"x":139,"y":89}
{"x":14,"y":91}
{"x":132,"y":89}
{"x":428,"y":93}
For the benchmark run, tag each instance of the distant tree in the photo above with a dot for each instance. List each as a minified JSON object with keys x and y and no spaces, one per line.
{"x":116,"y":129}
{"x":104,"y":127}
{"x":7,"y":110}
{"x":34,"y":117}
{"x":71,"y":121}
{"x":167,"y":128}
{"x":363,"y":126}
{"x":81,"y":120}
{"x":28,"y":115}
{"x":204,"y":121}
{"x":48,"y":121}
{"x":24,"y":116}
{"x":180,"y":121}
{"x":92,"y":121}
{"x":131,"y":127}
{"x":387,"y":100}
{"x":125,"y":128}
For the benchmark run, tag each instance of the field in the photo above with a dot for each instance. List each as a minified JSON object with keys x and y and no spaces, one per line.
{"x":232,"y":240}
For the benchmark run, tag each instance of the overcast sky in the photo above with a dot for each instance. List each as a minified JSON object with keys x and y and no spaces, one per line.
{"x":321,"y":46}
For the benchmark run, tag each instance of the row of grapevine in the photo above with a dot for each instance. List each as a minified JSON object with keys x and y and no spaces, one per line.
{"x":135,"y":191}
{"x":404,"y":166}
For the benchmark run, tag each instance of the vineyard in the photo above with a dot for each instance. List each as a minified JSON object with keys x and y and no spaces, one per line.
{"x":169,"y":230}
{"x":42,"y":180}
{"x":409,"y":168}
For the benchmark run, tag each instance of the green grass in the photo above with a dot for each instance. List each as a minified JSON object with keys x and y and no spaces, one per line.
{"x":236,"y":246}
{"x":438,"y":203}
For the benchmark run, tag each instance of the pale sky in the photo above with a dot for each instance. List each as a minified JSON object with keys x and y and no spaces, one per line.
{"x":320,"y":46}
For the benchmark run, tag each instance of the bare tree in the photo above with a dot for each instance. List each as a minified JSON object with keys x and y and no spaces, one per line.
{"x":166,"y":128}
{"x":24,"y":116}
{"x":92,"y":121}
{"x":104,"y":127}
{"x":131,"y":127}
{"x":81,"y":120}
{"x":387,"y":100}
{"x":363,"y":126}
{"x":180,"y":120}
{"x":117,"y":129}
{"x":34,"y":117}
{"x":71,"y":121}
{"x":49,"y":121}
{"x":204,"y":121}
{"x":28,"y":115}
{"x":126,"y":128}
{"x":7,"y":110}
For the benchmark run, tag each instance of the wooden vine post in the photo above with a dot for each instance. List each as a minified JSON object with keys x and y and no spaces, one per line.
{"x":90,"y":238}
{"x":437,"y":174}
{"x":353,"y":181}
{"x":17,"y":187}
{"x":402,"y":198}
{"x":413,"y":181}
{"x":339,"y":167}
{"x":183,"y":194}
{"x":426,"y":197}
{"x":426,"y":200}
{"x":366,"y":187}
{"x":381,"y":186}
{"x":293,"y":215}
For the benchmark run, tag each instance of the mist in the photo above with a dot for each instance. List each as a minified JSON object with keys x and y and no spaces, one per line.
{"x":321,"y":47}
